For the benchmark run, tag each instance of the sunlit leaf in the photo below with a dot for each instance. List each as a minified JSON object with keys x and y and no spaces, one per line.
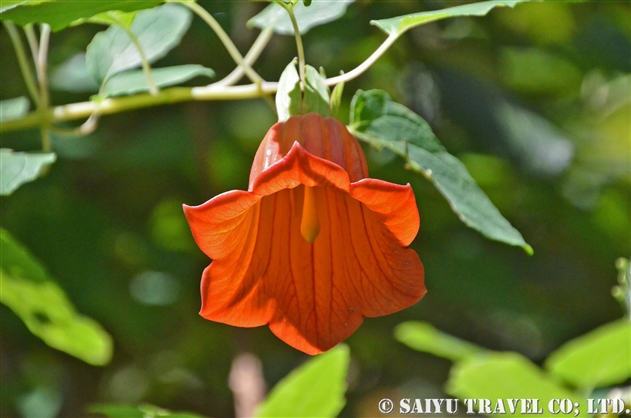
{"x":316,"y":93}
{"x":422,"y":336}
{"x":379,"y":121}
{"x":509,"y":379}
{"x":17,"y":168}
{"x":158,"y":30}
{"x":131,"y":82}
{"x":599,"y":358}
{"x":318,"y":13}
{"x":13,"y":108}
{"x":288,"y":96}
{"x":10,"y":4}
{"x":315,"y":389}
{"x":59,"y":14}
{"x":137,"y":411}
{"x":44,"y":307}
{"x":112,"y":17}
{"x":400,"y":24}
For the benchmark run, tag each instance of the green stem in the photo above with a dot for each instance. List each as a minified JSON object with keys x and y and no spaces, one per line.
{"x":214,"y":91}
{"x":249,"y":59}
{"x":146,"y":68}
{"x":114,"y":105}
{"x":32,"y":40}
{"x":299,"y":47}
{"x":25,"y":67}
{"x":41,"y":66}
{"x":364,"y":65}
{"x":225,"y":39}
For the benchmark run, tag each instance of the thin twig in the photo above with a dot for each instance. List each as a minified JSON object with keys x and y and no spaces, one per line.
{"x":299,"y":46}
{"x":249,"y":59}
{"x":114,"y":105}
{"x":32,"y":40}
{"x":25,"y":67}
{"x":41,"y":66}
{"x":225,"y":39}
{"x":146,"y":68}
{"x":357,"y":71}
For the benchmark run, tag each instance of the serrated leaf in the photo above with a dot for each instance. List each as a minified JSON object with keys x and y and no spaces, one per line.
{"x":509,"y":379}
{"x":137,"y":411}
{"x":398,"y":25}
{"x":422,"y":336}
{"x":381,"y":122}
{"x":17,"y":168}
{"x":316,"y":93}
{"x":11,"y":109}
{"x":288,"y":95}
{"x":597,"y":359}
{"x":315,"y":389}
{"x":43,"y":306}
{"x":59,"y":14}
{"x":158,"y":31}
{"x":132,"y":82}
{"x":318,"y":13}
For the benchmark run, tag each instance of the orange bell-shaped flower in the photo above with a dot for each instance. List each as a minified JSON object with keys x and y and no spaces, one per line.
{"x":313,"y":246}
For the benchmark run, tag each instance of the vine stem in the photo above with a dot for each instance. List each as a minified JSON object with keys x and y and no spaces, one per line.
{"x":41,"y":66}
{"x":225,"y":40}
{"x":25,"y":67}
{"x":253,"y":54}
{"x":32,"y":40}
{"x":146,"y":68}
{"x":171,"y":95}
{"x":299,"y":46}
{"x":361,"y":68}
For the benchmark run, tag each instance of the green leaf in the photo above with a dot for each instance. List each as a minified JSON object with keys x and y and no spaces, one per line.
{"x":158,"y":31}
{"x":59,"y":14}
{"x":398,"y":25}
{"x":44,"y":307}
{"x":315,"y":389}
{"x":597,"y":359}
{"x":318,"y":13}
{"x":112,"y":17}
{"x":73,"y":76}
{"x":379,"y":121}
{"x":336,"y":99}
{"x":137,"y":411}
{"x":13,"y":108}
{"x":132,"y":82}
{"x":288,"y":96}
{"x":17,"y":168}
{"x":503,"y":377}
{"x":316,"y":93}
{"x":422,"y":336}
{"x":9,"y":4}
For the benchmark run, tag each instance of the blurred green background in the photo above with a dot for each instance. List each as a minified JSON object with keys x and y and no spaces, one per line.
{"x":535,"y":100}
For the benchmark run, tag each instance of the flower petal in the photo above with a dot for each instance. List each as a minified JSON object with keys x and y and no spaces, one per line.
{"x":312,"y":295}
{"x":396,"y":204}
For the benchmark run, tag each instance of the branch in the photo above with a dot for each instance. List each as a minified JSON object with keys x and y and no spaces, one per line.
{"x":25,"y":68}
{"x":250,"y":58}
{"x":225,"y":39}
{"x":41,"y":67}
{"x":114,"y":105}
{"x":217,"y":91}
{"x":361,"y":68}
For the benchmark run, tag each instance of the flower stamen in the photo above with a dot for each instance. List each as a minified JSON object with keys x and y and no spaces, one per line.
{"x":310,"y":224}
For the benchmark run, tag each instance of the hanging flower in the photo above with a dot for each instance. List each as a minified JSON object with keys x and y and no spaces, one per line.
{"x":313,"y":246}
